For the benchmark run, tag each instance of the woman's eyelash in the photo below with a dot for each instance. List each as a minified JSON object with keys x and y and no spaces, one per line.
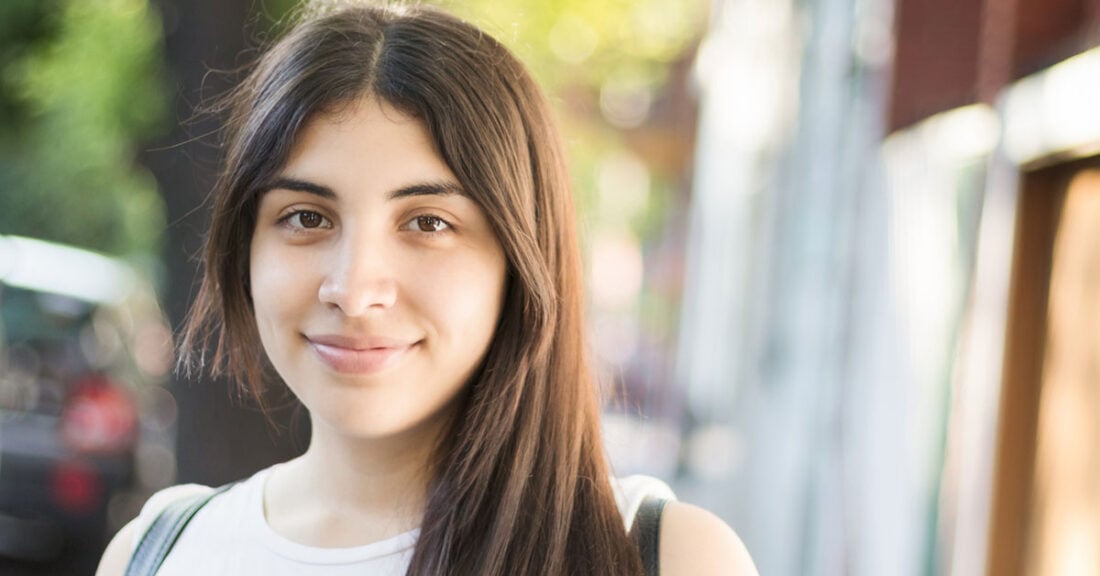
{"x":428,"y":224}
{"x":306,"y":220}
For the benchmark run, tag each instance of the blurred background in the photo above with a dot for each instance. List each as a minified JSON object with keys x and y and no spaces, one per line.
{"x":843,"y":263}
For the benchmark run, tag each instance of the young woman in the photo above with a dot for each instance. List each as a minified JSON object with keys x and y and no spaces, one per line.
{"x":394,"y":235}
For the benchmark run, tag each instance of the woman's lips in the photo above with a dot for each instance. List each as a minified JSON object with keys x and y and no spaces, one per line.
{"x":349,"y":356}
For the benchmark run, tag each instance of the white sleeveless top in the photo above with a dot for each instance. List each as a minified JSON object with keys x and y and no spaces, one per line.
{"x":231,"y":536}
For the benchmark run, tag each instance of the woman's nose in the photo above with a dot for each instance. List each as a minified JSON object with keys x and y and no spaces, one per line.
{"x":359,"y":279}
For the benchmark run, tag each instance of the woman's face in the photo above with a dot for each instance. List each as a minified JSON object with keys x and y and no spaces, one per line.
{"x":377,"y":282}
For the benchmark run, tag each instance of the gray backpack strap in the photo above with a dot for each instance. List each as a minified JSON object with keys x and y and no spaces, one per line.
{"x":646,"y":531}
{"x":154,"y":546}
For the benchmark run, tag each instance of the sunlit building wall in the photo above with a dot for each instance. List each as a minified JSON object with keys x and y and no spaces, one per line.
{"x":789,"y":341}
{"x":890,"y":303}
{"x":827,"y":280}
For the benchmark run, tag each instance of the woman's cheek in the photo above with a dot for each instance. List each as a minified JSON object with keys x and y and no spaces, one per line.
{"x":278,"y":282}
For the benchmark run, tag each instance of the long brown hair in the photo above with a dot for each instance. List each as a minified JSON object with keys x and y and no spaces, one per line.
{"x":521,"y":485}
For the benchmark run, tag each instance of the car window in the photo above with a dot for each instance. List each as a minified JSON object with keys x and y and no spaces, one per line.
{"x":40,"y":350}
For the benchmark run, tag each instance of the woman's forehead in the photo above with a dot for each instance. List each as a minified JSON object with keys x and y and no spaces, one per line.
{"x":370,"y":140}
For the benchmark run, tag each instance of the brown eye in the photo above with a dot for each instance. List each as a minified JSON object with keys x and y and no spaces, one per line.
{"x":430,"y":223}
{"x":310,"y":219}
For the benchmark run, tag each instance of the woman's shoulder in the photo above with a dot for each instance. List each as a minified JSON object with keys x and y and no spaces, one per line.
{"x":159,"y":501}
{"x":693,"y":541}
{"x":121,"y":548}
{"x":696,"y":542}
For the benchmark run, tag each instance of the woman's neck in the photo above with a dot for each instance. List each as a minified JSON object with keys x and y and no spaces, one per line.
{"x":350,"y":491}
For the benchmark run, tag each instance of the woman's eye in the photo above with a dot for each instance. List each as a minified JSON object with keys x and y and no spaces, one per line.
{"x":428,"y":224}
{"x":307,"y":219}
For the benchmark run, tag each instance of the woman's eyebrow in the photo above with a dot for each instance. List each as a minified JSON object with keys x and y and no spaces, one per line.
{"x":437,"y":188}
{"x":285,"y":183}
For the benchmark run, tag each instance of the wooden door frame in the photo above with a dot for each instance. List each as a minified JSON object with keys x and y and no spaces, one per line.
{"x":1042,"y":193}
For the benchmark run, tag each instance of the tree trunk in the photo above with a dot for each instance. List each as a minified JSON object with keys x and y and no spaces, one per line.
{"x":219,"y":439}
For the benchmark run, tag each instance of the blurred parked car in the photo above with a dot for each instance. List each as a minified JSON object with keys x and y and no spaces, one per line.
{"x":75,"y":354}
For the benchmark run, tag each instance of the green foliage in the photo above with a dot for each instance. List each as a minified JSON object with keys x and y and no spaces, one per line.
{"x":579,"y":42}
{"x":25,"y":25}
{"x":81,"y":92}
{"x":578,"y":49}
